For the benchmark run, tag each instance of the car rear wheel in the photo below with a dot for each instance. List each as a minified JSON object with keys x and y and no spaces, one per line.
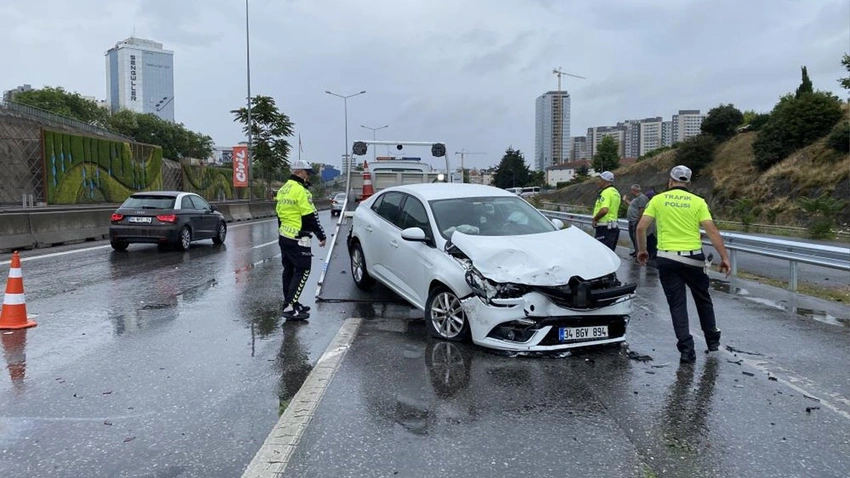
{"x":185,"y":239}
{"x":221,"y":234}
{"x":359,"y":273}
{"x":119,"y":245}
{"x":444,"y":316}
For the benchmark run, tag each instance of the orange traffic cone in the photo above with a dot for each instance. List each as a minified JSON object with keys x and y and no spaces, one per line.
{"x":14,"y":312}
{"x":368,"y":190}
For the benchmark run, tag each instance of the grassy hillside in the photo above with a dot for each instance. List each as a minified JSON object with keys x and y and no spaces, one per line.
{"x":732,"y":175}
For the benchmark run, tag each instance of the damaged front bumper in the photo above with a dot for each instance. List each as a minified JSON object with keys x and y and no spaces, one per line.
{"x":534,"y":323}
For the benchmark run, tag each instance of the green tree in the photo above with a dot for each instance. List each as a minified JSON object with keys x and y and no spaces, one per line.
{"x":823,"y":211}
{"x":795,"y":123}
{"x":537,"y":178}
{"x":697,"y":152}
{"x":845,"y":82}
{"x":270,"y":128}
{"x":512,"y":170}
{"x":176,"y":140}
{"x":839,"y":139}
{"x":805,"y":85}
{"x":607,"y":157}
{"x":722,"y":122}
{"x":58,"y":101}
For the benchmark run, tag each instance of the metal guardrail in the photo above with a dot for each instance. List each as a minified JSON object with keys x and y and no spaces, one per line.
{"x":32,"y":111}
{"x":792,"y":251}
{"x":842,"y":234}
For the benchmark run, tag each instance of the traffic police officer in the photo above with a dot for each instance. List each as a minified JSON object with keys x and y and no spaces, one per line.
{"x":679,"y":214}
{"x":606,"y":210}
{"x":297,"y":219}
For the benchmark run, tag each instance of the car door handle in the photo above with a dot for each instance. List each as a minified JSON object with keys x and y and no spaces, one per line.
{"x":368,"y":228}
{"x":394,"y":243}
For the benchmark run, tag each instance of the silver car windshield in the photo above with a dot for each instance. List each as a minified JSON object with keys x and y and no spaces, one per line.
{"x":488,"y":216}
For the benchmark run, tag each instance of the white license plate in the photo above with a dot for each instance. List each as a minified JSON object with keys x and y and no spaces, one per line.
{"x":566,"y":334}
{"x":139,"y":219}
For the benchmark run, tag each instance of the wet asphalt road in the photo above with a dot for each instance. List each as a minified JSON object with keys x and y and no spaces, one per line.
{"x":774,"y":402}
{"x":151,"y":364}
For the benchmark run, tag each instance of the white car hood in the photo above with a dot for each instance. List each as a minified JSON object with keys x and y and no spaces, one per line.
{"x":547,"y":259}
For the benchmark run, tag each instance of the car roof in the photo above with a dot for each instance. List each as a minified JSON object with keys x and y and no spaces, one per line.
{"x":436,"y":191}
{"x":160,"y":193}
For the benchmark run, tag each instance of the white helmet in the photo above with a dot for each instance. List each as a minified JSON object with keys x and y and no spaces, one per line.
{"x":299,"y":164}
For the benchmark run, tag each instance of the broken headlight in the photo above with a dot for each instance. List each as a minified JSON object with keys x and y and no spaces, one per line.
{"x":487,"y":289}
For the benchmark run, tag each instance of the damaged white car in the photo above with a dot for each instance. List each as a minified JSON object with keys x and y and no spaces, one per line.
{"x":484,"y":264}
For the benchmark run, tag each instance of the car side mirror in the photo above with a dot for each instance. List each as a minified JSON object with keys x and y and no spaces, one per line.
{"x":558,"y":223}
{"x":414,"y":234}
{"x":213,"y":208}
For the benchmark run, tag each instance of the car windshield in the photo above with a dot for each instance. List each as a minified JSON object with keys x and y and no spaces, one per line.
{"x":339,"y":197}
{"x":149,"y":202}
{"x":488,"y":216}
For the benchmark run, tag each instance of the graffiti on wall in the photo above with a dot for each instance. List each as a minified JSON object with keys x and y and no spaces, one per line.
{"x":83,"y":169}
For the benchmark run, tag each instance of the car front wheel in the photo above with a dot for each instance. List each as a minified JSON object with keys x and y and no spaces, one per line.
{"x":185,"y":238}
{"x":221,"y":234}
{"x":359,"y":273}
{"x":444,"y":316}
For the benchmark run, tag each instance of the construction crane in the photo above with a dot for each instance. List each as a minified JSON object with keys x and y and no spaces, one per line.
{"x":463,"y":153}
{"x":558,"y":114}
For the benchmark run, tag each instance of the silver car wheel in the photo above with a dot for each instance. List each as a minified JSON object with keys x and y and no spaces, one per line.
{"x":447,"y":315}
{"x":357,"y":264}
{"x":185,"y":238}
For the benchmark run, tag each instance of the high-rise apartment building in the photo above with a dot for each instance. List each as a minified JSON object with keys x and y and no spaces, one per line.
{"x":686,"y":125}
{"x":650,"y":135}
{"x":551,"y":129}
{"x":596,"y":134}
{"x":578,"y":148}
{"x":666,"y":133}
{"x":631,"y":145}
{"x":140,"y":78}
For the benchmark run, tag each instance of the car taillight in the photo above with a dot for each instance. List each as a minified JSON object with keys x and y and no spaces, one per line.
{"x":117,"y":217}
{"x":172,"y":218}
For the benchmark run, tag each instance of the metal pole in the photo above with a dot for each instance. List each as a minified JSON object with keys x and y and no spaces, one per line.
{"x":345,"y":157}
{"x":250,"y":125}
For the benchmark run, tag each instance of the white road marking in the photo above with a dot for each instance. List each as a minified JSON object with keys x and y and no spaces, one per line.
{"x":273,"y":457}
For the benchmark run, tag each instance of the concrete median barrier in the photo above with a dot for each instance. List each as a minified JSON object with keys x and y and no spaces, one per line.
{"x":49,"y":228}
{"x":240,"y":212}
{"x":262,"y":210}
{"x":15,"y":232}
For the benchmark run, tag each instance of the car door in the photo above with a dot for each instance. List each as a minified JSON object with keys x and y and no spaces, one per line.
{"x":208,"y":220}
{"x":190,"y":216}
{"x":413,"y":259}
{"x":378,"y":231}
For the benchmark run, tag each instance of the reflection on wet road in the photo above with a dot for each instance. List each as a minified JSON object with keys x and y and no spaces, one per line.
{"x":152,"y":363}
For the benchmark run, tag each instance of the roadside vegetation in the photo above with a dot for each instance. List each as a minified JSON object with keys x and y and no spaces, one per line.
{"x":787,"y":167}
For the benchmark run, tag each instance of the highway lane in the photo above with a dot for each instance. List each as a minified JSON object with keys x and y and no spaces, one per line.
{"x":150,"y":363}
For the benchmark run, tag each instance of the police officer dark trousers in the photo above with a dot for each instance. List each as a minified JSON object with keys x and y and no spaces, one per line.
{"x":679,"y":214}
{"x":297,"y":221}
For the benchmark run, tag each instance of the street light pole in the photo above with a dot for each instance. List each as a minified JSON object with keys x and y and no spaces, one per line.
{"x":345,"y":156}
{"x":374,"y":147}
{"x":250,"y":125}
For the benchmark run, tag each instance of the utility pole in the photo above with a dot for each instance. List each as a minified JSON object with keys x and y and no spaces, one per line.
{"x":462,"y":154}
{"x":250,"y":125}
{"x":374,"y":147}
{"x":558,"y":115}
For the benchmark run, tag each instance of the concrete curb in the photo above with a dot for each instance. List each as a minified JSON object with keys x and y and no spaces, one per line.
{"x":273,"y":457}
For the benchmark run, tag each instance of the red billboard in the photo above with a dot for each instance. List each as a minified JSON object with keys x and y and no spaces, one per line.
{"x":240,"y":166}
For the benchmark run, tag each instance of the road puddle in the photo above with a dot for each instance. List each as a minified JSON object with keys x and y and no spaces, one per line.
{"x":819,"y":315}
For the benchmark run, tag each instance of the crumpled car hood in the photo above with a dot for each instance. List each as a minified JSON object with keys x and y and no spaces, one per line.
{"x":547,"y":259}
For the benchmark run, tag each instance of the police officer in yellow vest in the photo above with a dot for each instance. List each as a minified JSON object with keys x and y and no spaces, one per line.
{"x":679,"y":214}
{"x":297,"y":219}
{"x":606,"y":210}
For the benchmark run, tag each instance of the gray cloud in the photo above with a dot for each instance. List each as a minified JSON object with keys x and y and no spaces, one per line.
{"x":466,"y":72}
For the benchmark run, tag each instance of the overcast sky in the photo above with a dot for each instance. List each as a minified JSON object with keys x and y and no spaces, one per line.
{"x":465,"y":72}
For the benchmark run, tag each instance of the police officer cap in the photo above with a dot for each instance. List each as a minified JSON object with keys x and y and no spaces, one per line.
{"x":299,"y":164}
{"x":681,"y":174}
{"x":607,"y":176}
